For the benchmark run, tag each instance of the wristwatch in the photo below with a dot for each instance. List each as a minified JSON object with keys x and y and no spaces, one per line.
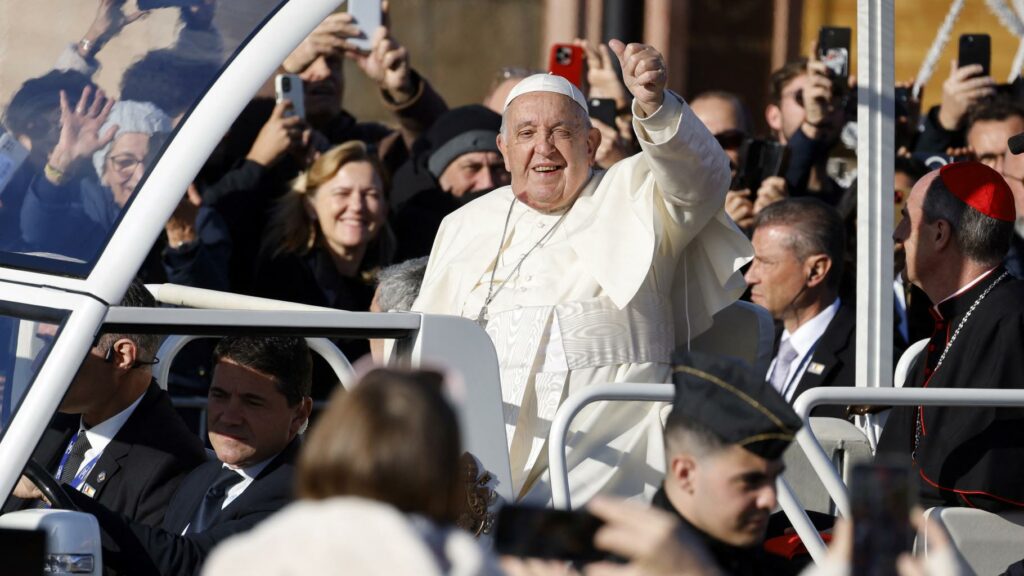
{"x":85,"y":47}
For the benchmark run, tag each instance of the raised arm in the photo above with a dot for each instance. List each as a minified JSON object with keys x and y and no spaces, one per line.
{"x":687,"y":163}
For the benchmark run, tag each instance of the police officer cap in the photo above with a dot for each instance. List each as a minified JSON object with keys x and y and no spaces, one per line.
{"x":726,"y":398}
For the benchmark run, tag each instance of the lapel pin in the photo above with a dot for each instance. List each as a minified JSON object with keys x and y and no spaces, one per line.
{"x":88,"y":490}
{"x":816,"y":368}
{"x":102,"y":476}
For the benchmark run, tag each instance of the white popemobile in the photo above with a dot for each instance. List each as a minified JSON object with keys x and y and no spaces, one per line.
{"x":53,"y":305}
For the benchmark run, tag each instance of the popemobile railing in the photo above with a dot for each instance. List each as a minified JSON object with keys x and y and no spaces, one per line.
{"x":819,"y":460}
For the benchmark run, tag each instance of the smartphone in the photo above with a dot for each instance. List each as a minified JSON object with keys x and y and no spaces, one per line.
{"x":567,"y":62}
{"x":602,"y":109}
{"x":289,"y":87}
{"x":975,"y":49}
{"x":834,"y":52}
{"x":12,"y":155}
{"x":534,"y":532}
{"x":369,"y":17}
{"x":881,"y":496}
{"x":759,"y":159}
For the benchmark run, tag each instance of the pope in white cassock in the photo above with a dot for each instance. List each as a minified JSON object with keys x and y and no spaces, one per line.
{"x":584,"y":277}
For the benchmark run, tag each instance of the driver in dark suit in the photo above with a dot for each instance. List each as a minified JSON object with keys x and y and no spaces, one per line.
{"x":258,"y":402}
{"x":116,"y":439}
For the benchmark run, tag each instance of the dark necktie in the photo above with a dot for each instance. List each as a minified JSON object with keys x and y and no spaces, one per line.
{"x":75,"y":457}
{"x":213,"y":500}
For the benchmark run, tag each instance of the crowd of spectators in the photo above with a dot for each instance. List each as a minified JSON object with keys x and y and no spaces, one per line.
{"x":331,"y":211}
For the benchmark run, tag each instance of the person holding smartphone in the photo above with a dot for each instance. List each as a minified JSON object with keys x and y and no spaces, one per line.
{"x":805,"y":115}
{"x":963,"y":89}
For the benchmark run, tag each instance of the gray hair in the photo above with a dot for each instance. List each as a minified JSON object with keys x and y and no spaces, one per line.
{"x":817,"y":229}
{"x":130,"y":117}
{"x":399,"y":285}
{"x":981,"y":238}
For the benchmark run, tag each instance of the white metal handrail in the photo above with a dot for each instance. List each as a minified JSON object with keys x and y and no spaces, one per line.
{"x":324,"y":347}
{"x":558,"y":470}
{"x":963,"y":397}
{"x":820,"y":462}
{"x":571,"y":407}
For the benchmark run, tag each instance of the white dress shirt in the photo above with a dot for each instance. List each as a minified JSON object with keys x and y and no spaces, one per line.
{"x":804,"y":340}
{"x":101,"y":434}
{"x":248,"y":474}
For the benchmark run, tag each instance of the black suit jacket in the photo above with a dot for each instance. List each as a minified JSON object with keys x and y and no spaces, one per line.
{"x":142,"y":549}
{"x":140,"y":468}
{"x":833,"y":360}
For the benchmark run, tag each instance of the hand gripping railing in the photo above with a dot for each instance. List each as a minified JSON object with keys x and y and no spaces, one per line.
{"x":816,"y":455}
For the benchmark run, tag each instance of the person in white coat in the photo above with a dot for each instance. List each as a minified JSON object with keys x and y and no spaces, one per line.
{"x":583,"y":276}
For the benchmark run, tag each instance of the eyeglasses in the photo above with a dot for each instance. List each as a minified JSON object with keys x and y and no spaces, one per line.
{"x":731,"y":139}
{"x":124,"y":164}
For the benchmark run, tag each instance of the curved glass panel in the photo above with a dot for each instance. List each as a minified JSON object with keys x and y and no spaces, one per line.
{"x":25,"y":341}
{"x":91,"y":91}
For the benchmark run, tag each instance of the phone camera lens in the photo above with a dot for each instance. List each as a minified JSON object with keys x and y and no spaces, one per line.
{"x":286,"y":84}
{"x":564,"y":56}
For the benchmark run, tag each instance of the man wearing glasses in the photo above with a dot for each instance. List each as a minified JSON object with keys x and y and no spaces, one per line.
{"x":116,"y":438}
{"x":725,"y":116}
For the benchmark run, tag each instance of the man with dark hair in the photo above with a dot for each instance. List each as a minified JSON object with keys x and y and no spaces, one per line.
{"x":724,"y":454}
{"x":803,"y":114}
{"x":33,"y":118}
{"x":258,"y":402}
{"x":989,"y":125}
{"x":965,"y":88}
{"x":956,"y":228}
{"x":725,"y":116}
{"x":168,"y":80}
{"x":799,"y":247}
{"x":116,"y":438}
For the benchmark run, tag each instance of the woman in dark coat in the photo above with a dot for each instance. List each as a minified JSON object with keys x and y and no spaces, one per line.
{"x":328,"y":235}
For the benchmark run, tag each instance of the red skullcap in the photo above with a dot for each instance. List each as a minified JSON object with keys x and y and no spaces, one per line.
{"x":981,"y":188}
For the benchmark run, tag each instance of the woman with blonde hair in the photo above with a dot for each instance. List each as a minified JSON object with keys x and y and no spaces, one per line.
{"x":326,"y":238}
{"x":328,"y":233}
{"x":379,"y":487}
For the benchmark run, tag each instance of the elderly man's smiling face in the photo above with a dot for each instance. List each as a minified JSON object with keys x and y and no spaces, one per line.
{"x":548,"y":149}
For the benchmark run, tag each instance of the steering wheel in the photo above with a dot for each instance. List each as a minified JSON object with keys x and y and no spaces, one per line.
{"x":49,"y":486}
